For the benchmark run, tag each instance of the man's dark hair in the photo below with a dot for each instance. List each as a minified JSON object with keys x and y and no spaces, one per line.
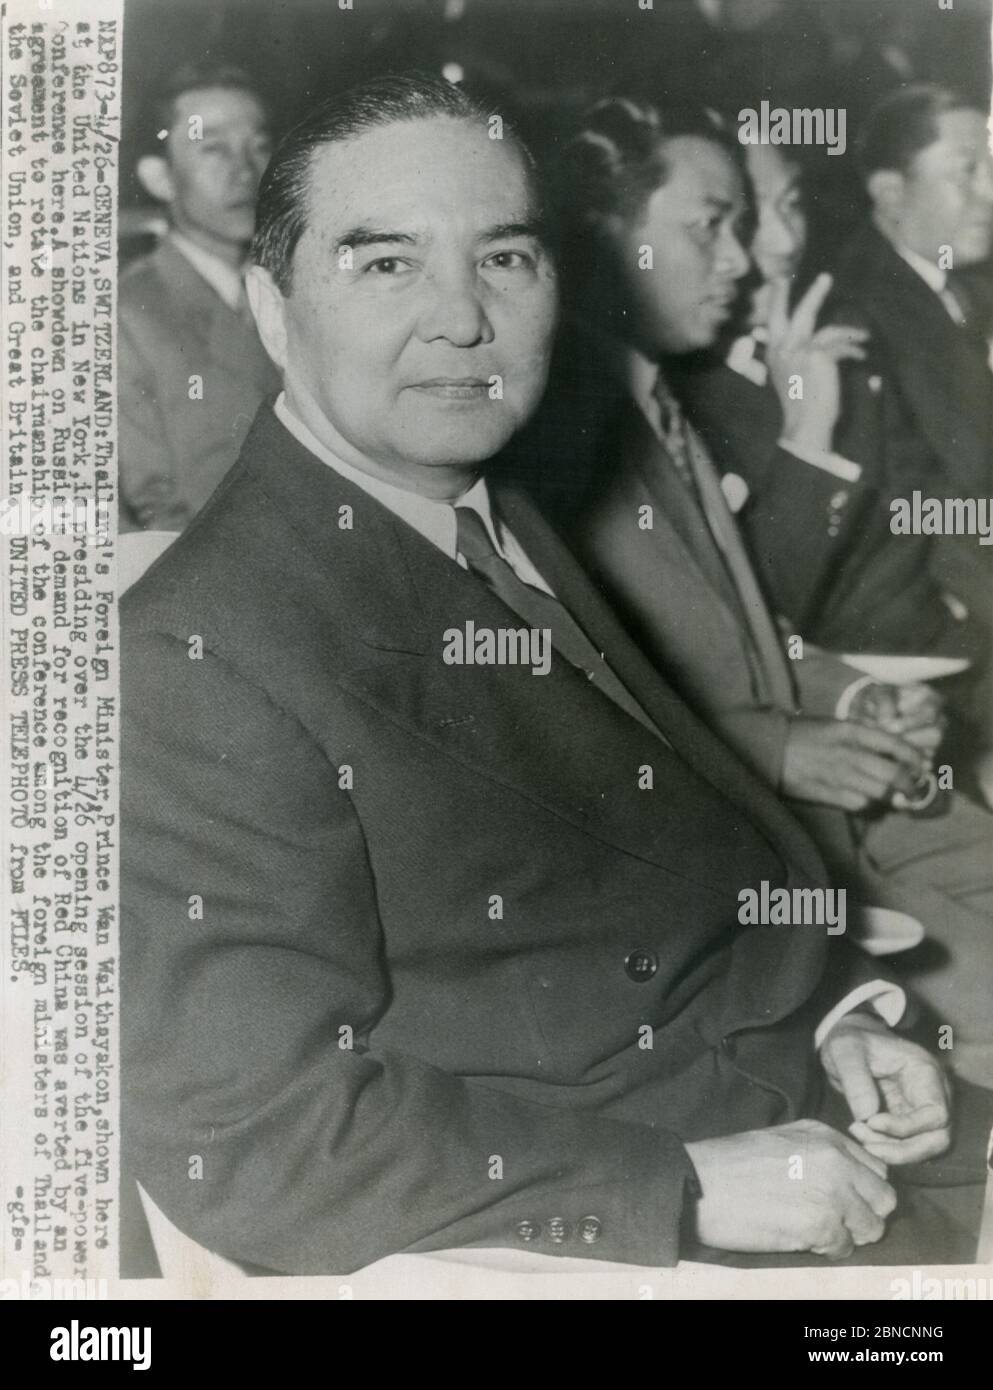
{"x":610,"y":167}
{"x":192,"y":77}
{"x":904,"y":123}
{"x":616,"y":159}
{"x":282,"y":208}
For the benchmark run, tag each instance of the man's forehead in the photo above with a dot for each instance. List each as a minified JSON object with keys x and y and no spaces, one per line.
{"x":958,"y":132}
{"x":412,"y":175}
{"x":700,"y":172}
{"x":221,"y":107}
{"x":772,"y":172}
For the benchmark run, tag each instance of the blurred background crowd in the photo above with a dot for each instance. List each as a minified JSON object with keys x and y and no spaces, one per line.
{"x":549,"y":59}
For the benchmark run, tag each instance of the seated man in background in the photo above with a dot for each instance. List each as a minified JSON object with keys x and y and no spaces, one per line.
{"x":191,"y":370}
{"x":928,"y":171}
{"x":654,"y":211}
{"x":411,"y":959}
{"x":816,"y":529}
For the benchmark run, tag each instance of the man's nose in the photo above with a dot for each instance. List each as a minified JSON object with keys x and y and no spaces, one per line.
{"x":456,"y":312}
{"x":732,"y":258}
{"x":984,"y":180}
{"x":246,"y":171}
{"x":775,"y":237}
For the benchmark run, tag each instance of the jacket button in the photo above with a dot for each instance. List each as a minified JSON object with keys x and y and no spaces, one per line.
{"x":528,"y":1231}
{"x":558,"y":1231}
{"x":641,"y":965}
{"x":590,"y":1228}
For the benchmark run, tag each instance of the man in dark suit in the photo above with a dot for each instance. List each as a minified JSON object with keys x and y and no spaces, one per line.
{"x":191,"y":369}
{"x":906,"y":276}
{"x":640,"y":500}
{"x":413,"y":955}
{"x":859,"y":587}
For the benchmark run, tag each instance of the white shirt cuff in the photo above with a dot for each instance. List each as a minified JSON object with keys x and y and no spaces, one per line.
{"x":888,"y":1000}
{"x":844,"y":705}
{"x":835,"y":464}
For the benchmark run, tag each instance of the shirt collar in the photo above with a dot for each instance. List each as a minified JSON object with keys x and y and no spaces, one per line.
{"x":226,"y":280}
{"x":432,"y":517}
{"x":933,"y":276}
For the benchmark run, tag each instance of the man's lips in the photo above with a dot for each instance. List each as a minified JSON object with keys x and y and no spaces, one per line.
{"x":458,"y":388}
{"x":722,"y":303}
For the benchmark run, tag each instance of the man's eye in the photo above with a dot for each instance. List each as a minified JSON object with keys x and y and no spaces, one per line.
{"x":509,"y":260}
{"x":706,"y":229}
{"x":386,"y":265}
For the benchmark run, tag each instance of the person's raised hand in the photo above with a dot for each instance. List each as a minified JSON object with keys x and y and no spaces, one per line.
{"x":804,"y":363}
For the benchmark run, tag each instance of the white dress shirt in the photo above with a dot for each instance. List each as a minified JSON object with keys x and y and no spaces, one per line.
{"x":434,"y":518}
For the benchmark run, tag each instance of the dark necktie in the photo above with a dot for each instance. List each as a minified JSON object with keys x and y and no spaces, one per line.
{"x":541,"y":610}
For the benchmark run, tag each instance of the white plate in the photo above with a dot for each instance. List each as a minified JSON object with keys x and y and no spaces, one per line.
{"x":907,"y":670}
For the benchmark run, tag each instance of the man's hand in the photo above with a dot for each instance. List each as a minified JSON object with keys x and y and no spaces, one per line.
{"x":912,"y":712}
{"x":797,"y":348}
{"x":896,"y":1091}
{"x":801,"y":1186}
{"x":841,"y":763}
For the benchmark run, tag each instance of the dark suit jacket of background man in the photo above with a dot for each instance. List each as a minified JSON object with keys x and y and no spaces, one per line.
{"x":369,"y":909}
{"x":822,"y":544}
{"x":174,"y":450}
{"x":932,"y":422}
{"x":602,"y":466}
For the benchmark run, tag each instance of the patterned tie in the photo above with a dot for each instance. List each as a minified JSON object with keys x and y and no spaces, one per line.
{"x":541,"y":610}
{"x":673,"y":430}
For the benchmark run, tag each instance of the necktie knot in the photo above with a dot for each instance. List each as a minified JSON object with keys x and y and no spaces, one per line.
{"x":472,"y":538}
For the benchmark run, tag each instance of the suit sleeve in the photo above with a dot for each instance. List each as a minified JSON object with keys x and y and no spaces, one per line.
{"x":254,"y":969}
{"x":147,"y":470}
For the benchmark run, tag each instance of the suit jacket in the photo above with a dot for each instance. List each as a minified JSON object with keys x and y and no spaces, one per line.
{"x":592,"y":462}
{"x":822,"y":545}
{"x":439,"y":915}
{"x":932,"y":421}
{"x":174,"y":450}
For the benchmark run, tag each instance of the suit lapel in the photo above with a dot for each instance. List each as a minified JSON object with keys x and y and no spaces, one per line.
{"x":693,"y":740}
{"x":945,"y":379}
{"x":226,"y":337}
{"x":635,"y":445}
{"x":398,"y":595}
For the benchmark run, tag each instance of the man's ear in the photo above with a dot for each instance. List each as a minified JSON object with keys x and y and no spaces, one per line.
{"x":155,"y":177}
{"x":269,"y":310}
{"x":885,"y":188}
